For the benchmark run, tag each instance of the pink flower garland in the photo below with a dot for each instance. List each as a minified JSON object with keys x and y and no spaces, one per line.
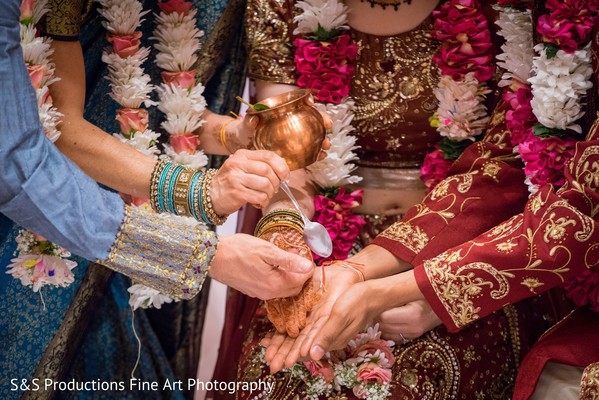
{"x":465,"y":49}
{"x":569,"y":24}
{"x":326,"y":66}
{"x":335,"y":213}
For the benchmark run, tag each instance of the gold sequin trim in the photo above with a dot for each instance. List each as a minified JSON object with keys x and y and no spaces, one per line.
{"x":163,"y":252}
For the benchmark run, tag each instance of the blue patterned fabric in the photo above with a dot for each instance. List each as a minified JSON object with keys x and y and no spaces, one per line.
{"x":109,"y":348}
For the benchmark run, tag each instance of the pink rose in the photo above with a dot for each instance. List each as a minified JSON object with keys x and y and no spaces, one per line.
{"x":38,"y":74}
{"x":325,"y":67}
{"x":178,"y":6}
{"x":373,"y":373}
{"x":466,"y":38}
{"x":132,"y":120}
{"x":27,"y":8}
{"x":320,"y":368}
{"x":186,"y":142}
{"x":584,"y":289}
{"x":546,"y":158}
{"x":378,"y":344}
{"x":125,"y":45}
{"x":569,"y":24}
{"x":185,"y":79}
{"x":434,"y":169}
{"x":519,"y":120}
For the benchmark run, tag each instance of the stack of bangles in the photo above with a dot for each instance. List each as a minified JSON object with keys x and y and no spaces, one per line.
{"x":279,"y":218}
{"x":183,"y":191}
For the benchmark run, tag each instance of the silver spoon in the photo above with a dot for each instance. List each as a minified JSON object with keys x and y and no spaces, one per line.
{"x":316,"y":236}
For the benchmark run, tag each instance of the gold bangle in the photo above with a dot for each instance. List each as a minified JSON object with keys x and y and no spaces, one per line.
{"x":156,"y":172}
{"x":223,"y":134}
{"x":280,"y":217}
{"x":181,"y":192}
{"x":214,"y":218}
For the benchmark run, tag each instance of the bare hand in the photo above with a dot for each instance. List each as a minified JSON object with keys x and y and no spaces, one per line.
{"x":408,"y":322}
{"x":248,"y":176}
{"x":259,"y":268}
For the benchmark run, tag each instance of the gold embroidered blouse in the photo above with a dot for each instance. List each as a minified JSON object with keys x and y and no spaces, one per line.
{"x":392,"y":87}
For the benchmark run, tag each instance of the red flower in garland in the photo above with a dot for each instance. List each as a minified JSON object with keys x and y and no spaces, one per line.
{"x":466,"y":38}
{"x":336,"y":215}
{"x":434,"y":169}
{"x":520,"y":119}
{"x":546,"y":159}
{"x":325,"y":67}
{"x":584,"y":289}
{"x":569,"y":24}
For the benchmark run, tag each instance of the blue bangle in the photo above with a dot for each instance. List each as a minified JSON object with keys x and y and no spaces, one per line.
{"x":170,"y":189}
{"x":192,"y":195}
{"x":161,"y":182}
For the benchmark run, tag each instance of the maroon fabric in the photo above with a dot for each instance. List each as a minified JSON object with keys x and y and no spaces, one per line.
{"x":574,"y":341}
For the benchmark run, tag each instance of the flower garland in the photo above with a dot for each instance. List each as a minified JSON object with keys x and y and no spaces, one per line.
{"x":39,"y":262}
{"x":562,"y":74}
{"x":324,"y":61}
{"x":464,"y":60}
{"x":364,"y":366}
{"x":180,"y":96}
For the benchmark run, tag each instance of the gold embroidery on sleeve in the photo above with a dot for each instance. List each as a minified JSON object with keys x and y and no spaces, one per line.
{"x":64,"y":17}
{"x":458,"y":283}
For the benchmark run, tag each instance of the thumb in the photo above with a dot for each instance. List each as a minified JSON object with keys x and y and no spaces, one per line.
{"x":289,"y":262}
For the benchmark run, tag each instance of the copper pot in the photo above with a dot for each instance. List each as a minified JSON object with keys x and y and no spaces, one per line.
{"x":290,"y":127}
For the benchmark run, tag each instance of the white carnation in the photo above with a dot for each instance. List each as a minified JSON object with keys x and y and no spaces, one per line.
{"x":197,"y":160}
{"x":145,"y":297}
{"x":336,"y":168}
{"x":183,"y":108}
{"x":144,"y":142}
{"x":328,"y":14}
{"x":40,"y":9}
{"x":462,"y":112}
{"x":35,"y":50}
{"x":122,"y":17}
{"x":558,"y":85}
{"x":516,"y":59}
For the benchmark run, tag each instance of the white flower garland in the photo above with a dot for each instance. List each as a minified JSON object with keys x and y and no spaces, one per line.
{"x":516,"y":59}
{"x":336,"y":169}
{"x":177,"y":44}
{"x":39,"y":262}
{"x":558,"y":86}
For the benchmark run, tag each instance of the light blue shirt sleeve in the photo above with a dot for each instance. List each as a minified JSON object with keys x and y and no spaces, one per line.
{"x":40,"y":189}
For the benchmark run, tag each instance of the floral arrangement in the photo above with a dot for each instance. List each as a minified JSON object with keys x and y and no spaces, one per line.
{"x":324,"y":61}
{"x":39,"y":262}
{"x":180,"y":96}
{"x":561,"y":77}
{"x":464,"y":60}
{"x":333,"y":210}
{"x":364,"y":366}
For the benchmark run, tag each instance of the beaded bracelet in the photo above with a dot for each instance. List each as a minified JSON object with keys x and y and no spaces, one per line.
{"x":211,"y":216}
{"x":277,"y":218}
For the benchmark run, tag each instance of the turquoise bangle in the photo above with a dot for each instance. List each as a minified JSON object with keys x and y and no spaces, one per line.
{"x":161,"y":181}
{"x":192,"y":194}
{"x":170,"y":189}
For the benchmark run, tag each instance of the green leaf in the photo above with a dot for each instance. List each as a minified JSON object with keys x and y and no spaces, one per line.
{"x":330,"y":192}
{"x":542,"y":131}
{"x":324,"y":35}
{"x":551,"y":50}
{"x":452,"y":149}
{"x":260,"y":107}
